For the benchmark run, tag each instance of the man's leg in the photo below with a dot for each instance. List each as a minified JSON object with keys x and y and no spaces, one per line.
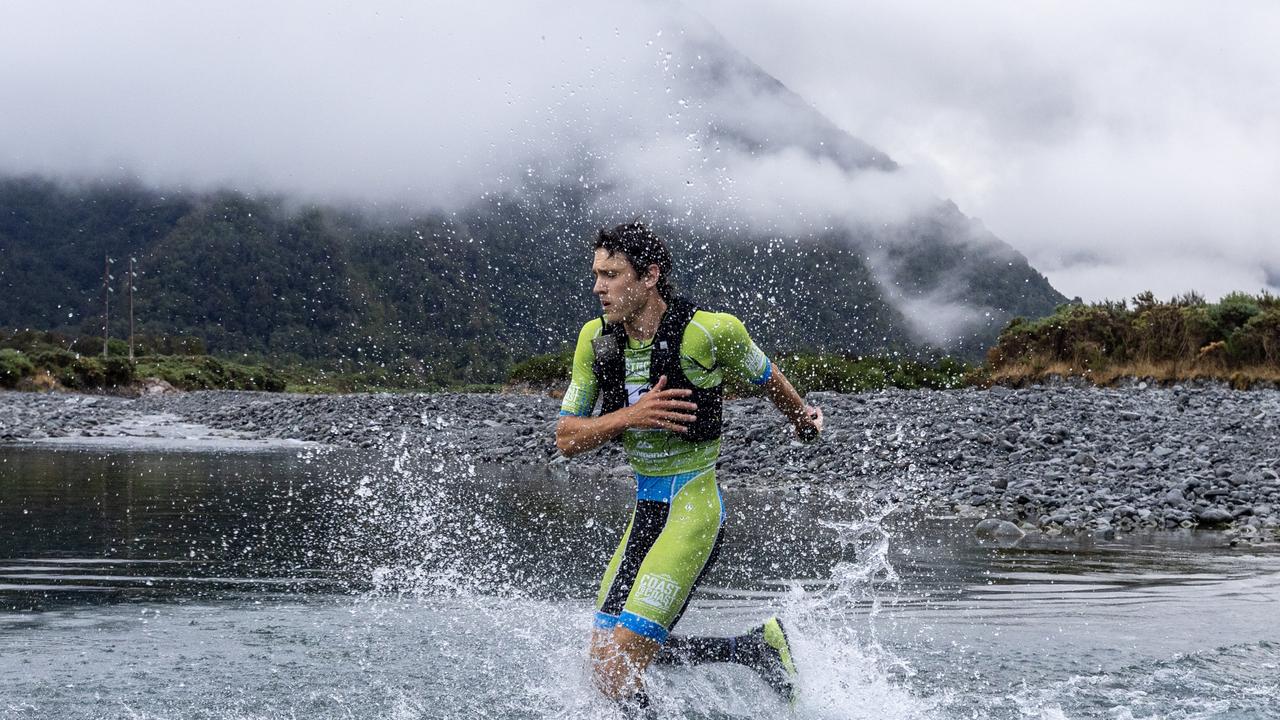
{"x":664,"y":551}
{"x":619,"y":658}
{"x":618,"y":655}
{"x":764,"y":649}
{"x":695,"y":650}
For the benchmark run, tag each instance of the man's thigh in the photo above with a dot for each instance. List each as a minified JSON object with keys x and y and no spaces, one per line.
{"x":675,"y":562}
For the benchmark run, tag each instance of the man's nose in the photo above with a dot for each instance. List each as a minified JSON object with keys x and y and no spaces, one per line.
{"x":598,"y":287}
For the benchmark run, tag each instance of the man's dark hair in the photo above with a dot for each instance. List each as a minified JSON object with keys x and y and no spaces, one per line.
{"x":642,"y":248}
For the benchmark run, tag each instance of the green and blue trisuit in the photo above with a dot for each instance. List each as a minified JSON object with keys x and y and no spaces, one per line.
{"x":674,"y":531}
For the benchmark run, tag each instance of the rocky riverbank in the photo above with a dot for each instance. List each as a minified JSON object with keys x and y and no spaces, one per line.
{"x":1054,"y":458}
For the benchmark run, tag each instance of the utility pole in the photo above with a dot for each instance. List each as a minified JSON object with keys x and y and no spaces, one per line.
{"x":106,"y":301}
{"x":131,"y":309}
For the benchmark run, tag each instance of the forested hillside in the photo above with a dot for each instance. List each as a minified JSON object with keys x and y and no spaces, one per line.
{"x":446,"y":296}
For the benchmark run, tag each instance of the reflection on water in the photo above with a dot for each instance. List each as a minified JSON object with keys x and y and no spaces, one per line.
{"x":337,"y":584}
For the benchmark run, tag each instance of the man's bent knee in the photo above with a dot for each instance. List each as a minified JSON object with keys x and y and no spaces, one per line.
{"x":619,"y":658}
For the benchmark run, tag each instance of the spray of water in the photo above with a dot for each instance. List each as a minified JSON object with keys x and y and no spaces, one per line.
{"x":848,"y":673}
{"x":414,"y":525}
{"x":424,"y":545}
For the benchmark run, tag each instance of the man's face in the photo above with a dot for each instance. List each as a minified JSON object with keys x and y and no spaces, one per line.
{"x":621,"y":291}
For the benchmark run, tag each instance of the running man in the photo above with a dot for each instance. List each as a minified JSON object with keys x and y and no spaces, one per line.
{"x":658,"y":365}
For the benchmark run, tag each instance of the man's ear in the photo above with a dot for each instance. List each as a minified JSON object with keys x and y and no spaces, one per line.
{"x":651,"y":275}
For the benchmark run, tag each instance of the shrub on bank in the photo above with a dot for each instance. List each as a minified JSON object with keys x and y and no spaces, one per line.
{"x":1237,"y":337}
{"x":54,"y":359}
{"x":82,"y":373}
{"x":117,"y":372}
{"x":550,"y":370}
{"x":209,"y":373}
{"x":1264,"y":328}
{"x":14,"y":366}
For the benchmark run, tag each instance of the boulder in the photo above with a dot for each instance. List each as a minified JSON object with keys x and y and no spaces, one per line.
{"x":1214,"y":516}
{"x":997,"y":528}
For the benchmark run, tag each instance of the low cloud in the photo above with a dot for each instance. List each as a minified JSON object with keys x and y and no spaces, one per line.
{"x":1144,"y":134}
{"x":393,"y":102}
{"x":405,"y":104}
{"x":787,"y":191}
{"x":940,"y":321}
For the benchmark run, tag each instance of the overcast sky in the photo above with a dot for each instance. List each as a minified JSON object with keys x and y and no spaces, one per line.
{"x":1120,"y":146}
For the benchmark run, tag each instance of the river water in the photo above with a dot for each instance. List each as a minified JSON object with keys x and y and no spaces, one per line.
{"x":327,"y":584}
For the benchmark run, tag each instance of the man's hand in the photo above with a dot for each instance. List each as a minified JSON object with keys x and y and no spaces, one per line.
{"x":809,"y":425}
{"x":662,"y":409}
{"x":806,"y":419}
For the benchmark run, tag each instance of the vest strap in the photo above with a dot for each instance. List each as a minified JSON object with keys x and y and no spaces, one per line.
{"x":610,"y":369}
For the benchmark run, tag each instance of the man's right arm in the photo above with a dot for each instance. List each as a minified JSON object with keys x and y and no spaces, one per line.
{"x":658,"y":409}
{"x":576,"y":434}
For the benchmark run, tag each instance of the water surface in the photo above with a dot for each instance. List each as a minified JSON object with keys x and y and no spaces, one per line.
{"x":327,"y":584}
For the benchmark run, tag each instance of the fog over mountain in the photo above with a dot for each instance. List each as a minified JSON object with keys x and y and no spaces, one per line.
{"x":637,"y":109}
{"x":1120,"y":146}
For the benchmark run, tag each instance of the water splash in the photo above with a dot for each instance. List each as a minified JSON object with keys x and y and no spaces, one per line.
{"x":440,"y":553}
{"x":417,"y":525}
{"x":847,"y":672}
{"x":424,"y":535}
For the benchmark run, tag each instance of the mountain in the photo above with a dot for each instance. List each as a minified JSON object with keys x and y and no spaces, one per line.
{"x":814,"y":238}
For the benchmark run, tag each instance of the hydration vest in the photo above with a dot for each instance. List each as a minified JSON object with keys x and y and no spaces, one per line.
{"x":611,"y":373}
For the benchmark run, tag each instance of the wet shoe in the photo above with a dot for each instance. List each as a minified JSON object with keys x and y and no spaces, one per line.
{"x":774,"y":661}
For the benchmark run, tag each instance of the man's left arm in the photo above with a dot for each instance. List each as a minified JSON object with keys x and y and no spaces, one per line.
{"x":735,"y":350}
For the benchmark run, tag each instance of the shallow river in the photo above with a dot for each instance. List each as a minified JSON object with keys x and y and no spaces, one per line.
{"x":309,"y":584}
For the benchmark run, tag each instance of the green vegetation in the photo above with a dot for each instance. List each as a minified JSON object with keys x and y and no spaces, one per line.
{"x":36,"y":360}
{"x":62,"y":368}
{"x":45,"y":360}
{"x":206,"y":373}
{"x":844,"y":374}
{"x":543,"y":371}
{"x":1236,"y":339}
{"x":14,"y":367}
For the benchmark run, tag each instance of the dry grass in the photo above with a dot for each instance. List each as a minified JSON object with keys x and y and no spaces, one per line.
{"x":41,"y":381}
{"x":1161,"y":373}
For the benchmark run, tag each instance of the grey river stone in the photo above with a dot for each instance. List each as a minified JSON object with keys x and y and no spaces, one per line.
{"x":1078,"y":458}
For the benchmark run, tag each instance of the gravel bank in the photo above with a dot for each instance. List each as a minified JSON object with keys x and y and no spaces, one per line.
{"x":1057,"y":458}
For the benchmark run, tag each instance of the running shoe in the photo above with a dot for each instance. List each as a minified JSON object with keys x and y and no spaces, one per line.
{"x":774,"y":661}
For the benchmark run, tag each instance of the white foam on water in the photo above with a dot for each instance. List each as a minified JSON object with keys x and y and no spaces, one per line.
{"x":1228,"y":682}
